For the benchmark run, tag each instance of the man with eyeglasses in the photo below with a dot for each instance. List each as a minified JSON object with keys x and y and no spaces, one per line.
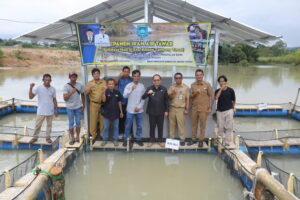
{"x":157,"y":108}
{"x":179,"y":105}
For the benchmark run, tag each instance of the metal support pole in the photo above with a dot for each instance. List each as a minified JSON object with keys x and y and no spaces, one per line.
{"x":105,"y":71}
{"x":193,"y":18}
{"x":216,"y":64}
{"x":216,"y":60}
{"x":84,"y":82}
{"x":146,"y":11}
{"x":173,"y":73}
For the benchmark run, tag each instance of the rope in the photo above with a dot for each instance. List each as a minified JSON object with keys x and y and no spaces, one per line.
{"x":33,"y":181}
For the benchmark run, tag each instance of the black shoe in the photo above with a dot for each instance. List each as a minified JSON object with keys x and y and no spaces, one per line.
{"x":124,"y":144}
{"x":191,"y":143}
{"x":140,"y":143}
{"x":200,"y":144}
{"x":182,"y":143}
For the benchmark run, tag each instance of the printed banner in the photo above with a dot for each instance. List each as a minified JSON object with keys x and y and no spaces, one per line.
{"x":144,"y":44}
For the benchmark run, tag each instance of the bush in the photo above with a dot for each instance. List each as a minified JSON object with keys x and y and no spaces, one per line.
{"x":18,"y":55}
{"x":1,"y":54}
{"x":27,"y":45}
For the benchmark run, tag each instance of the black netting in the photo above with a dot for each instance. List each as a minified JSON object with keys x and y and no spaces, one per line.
{"x":20,"y":170}
{"x":256,"y":135}
{"x":2,"y":182}
{"x":29,"y":131}
{"x":297,"y":187}
{"x":21,"y":194}
{"x":279,"y":174}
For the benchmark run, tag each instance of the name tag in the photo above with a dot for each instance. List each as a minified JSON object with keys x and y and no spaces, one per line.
{"x":172,"y":144}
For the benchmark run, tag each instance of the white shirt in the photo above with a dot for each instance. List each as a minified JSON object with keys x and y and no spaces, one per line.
{"x":45,"y":99}
{"x":102,"y":40}
{"x":134,"y":97}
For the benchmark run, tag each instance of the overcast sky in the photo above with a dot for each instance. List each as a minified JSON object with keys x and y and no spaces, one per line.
{"x":277,"y":17}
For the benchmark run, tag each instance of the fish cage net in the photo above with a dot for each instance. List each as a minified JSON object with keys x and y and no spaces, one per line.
{"x":21,"y":194}
{"x":268,"y":135}
{"x":279,"y":174}
{"x":22,"y":131}
{"x":235,"y":166}
{"x":19,"y":170}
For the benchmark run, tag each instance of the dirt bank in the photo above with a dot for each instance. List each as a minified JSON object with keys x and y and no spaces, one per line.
{"x":45,"y":58}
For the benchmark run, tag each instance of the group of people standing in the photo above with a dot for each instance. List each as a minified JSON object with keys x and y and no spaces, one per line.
{"x":121,"y":100}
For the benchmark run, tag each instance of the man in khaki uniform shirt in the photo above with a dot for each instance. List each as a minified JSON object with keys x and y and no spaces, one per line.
{"x":94,"y":90}
{"x":179,"y":104}
{"x":201,"y":95}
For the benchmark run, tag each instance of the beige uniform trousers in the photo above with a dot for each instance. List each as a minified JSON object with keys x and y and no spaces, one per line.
{"x":39,"y":122}
{"x":196,"y":116}
{"x":176,"y":117}
{"x":225,"y":125}
{"x":95,"y":117}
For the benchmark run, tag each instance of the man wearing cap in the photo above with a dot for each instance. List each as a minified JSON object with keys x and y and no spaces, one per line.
{"x":94,"y":90}
{"x":73,"y":94}
{"x":201,"y":96}
{"x":102,"y":39}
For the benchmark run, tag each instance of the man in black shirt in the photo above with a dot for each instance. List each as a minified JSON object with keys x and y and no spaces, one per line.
{"x":157,"y":108}
{"x":226,"y":102}
{"x":111,"y":111}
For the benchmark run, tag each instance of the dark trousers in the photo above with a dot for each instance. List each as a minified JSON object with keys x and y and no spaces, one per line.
{"x":156,"y":120}
{"x":122,"y":121}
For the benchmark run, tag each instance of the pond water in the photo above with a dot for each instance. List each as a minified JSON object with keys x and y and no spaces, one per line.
{"x":120,"y":175}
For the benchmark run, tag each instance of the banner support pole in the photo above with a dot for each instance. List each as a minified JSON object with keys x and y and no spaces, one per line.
{"x":216,"y":64}
{"x":84,"y":77}
{"x":146,"y":10}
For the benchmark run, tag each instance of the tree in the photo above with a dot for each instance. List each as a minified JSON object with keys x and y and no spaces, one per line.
{"x":237,"y":54}
{"x":279,"y":48}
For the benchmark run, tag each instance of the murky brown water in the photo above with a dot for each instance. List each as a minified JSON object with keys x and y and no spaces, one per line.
{"x":120,"y":175}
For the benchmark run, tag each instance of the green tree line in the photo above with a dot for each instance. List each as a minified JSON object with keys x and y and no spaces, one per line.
{"x":58,"y":45}
{"x":244,"y":54}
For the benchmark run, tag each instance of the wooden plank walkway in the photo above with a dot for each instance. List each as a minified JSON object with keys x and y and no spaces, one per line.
{"x":40,"y":141}
{"x":5,"y":106}
{"x":255,"y":107}
{"x":17,"y":139}
{"x":154,"y":147}
{"x":11,"y":193}
{"x":264,"y":143}
{"x":292,"y":141}
{"x":108,"y":146}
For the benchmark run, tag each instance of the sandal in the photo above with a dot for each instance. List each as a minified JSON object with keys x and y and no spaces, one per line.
{"x":49,"y":140}
{"x":71,"y":142}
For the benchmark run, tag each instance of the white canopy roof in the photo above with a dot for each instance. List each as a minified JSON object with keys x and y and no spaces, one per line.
{"x":133,"y":10}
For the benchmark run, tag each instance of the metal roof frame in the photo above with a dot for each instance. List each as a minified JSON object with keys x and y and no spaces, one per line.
{"x":129,"y":11}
